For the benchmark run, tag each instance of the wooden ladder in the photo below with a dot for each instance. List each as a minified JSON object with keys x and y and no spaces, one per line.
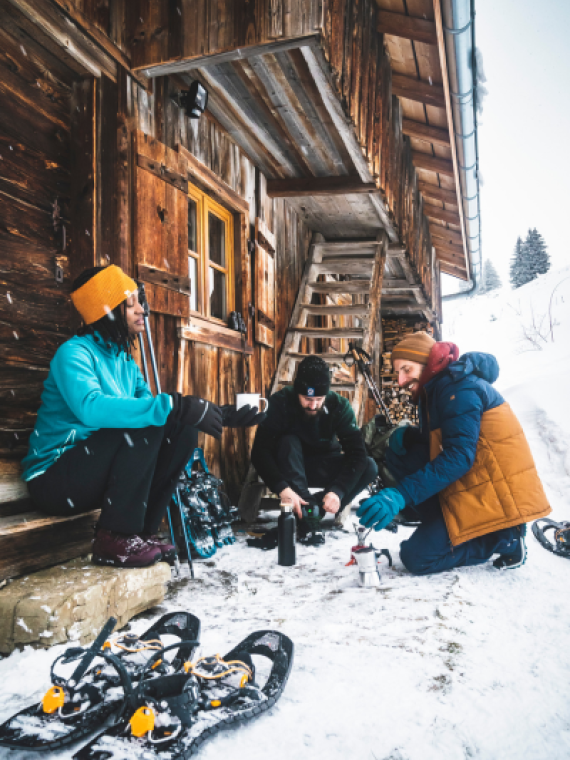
{"x":364,"y":262}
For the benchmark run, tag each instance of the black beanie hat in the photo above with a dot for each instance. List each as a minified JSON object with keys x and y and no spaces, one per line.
{"x":313,"y":377}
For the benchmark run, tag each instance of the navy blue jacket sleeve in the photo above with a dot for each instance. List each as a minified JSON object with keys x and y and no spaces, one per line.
{"x":460,"y":416}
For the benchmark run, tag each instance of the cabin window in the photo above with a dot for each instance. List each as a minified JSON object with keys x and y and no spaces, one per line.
{"x":210,"y":256}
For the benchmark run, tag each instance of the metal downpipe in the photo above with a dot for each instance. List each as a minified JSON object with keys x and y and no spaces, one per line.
{"x":459,"y":28}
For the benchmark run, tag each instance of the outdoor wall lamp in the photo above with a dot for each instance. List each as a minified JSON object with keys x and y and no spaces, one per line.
{"x":194,"y":100}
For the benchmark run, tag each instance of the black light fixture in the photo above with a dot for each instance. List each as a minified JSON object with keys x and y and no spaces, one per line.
{"x":194,"y":100}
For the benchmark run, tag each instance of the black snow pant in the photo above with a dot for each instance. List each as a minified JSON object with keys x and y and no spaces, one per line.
{"x":303,"y":470}
{"x":129,"y":474}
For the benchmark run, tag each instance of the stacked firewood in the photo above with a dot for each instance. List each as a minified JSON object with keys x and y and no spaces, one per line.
{"x":396,"y":399}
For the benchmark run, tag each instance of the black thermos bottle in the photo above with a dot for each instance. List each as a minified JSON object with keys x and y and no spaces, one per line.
{"x":286,"y":528}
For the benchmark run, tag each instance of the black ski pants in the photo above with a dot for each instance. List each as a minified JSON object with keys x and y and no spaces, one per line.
{"x":303,"y":470}
{"x":129,"y":474}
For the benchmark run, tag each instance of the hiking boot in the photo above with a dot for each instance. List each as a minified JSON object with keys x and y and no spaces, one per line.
{"x":517,"y":556}
{"x":118,"y":550}
{"x":167,"y":549}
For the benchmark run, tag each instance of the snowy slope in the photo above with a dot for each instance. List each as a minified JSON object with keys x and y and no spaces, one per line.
{"x":468,"y":664}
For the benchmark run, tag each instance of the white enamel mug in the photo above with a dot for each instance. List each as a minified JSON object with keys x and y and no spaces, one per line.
{"x":253,"y":399}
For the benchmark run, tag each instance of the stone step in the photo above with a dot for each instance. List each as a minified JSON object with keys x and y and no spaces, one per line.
{"x":71,"y":602}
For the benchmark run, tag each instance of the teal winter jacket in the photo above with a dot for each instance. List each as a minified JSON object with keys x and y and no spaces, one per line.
{"x":90,"y":385}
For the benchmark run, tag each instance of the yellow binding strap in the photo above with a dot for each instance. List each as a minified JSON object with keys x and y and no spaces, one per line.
{"x":53,"y":700}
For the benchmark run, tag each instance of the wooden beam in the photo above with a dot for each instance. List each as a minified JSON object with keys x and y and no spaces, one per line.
{"x":441,"y":37}
{"x":101,"y":39}
{"x":453,"y":271}
{"x":52,"y":20}
{"x":435,"y":212}
{"x":425,"y":132}
{"x":398,"y":25}
{"x":414,"y":89}
{"x":432,"y":164}
{"x":298,"y":187}
{"x":447,"y":248}
{"x":441,"y":233}
{"x":177,"y":66}
{"x":438,"y":193}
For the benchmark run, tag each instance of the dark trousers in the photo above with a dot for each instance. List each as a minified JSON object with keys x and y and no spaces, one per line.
{"x":130,"y":475}
{"x":429,"y":549}
{"x":303,"y":471}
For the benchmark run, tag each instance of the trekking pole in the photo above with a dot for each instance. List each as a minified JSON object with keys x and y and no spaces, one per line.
{"x":358,"y":356}
{"x":176,"y":496}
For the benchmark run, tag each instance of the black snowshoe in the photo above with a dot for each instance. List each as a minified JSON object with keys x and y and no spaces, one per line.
{"x":173,"y":715}
{"x":561,"y":534}
{"x":101,"y":684}
{"x":207,"y":509}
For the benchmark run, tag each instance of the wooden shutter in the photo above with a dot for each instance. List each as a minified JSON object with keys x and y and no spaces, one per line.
{"x":161,"y":225}
{"x":264,"y":284}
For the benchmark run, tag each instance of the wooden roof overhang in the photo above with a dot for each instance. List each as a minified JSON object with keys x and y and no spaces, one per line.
{"x":414,"y":37}
{"x":277,"y":101}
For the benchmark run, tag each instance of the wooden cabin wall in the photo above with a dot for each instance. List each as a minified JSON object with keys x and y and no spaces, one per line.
{"x":362,"y":76}
{"x":44,"y":102}
{"x":162,"y":31}
{"x":210,"y":372}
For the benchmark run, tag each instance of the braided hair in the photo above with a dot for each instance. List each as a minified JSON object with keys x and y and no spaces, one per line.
{"x":112,"y":328}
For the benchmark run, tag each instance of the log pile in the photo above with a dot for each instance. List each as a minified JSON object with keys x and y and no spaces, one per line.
{"x":396,"y":399}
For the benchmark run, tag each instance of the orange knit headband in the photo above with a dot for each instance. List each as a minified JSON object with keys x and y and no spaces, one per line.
{"x":102,"y":293}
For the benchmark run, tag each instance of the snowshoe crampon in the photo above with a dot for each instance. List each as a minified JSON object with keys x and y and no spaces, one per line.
{"x":101,"y":683}
{"x":173,"y":715}
{"x":560,"y":534}
{"x":207,"y":509}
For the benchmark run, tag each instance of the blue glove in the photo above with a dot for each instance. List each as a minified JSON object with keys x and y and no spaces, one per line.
{"x":396,"y":441}
{"x":377,"y":511}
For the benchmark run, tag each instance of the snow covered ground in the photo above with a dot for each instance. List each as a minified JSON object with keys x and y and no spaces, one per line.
{"x":468,"y":664}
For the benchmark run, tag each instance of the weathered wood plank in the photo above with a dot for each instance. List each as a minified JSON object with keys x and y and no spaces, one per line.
{"x":399,"y":25}
{"x":422,"y":92}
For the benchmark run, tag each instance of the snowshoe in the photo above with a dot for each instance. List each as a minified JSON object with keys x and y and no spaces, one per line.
{"x":208,"y":512}
{"x":173,"y":715}
{"x":79,"y":704}
{"x":561,"y":531}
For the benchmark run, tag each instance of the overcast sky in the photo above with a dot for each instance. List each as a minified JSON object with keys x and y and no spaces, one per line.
{"x":524,"y":130}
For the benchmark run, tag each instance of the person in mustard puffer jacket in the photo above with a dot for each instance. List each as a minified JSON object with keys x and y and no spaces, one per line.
{"x":467,"y":473}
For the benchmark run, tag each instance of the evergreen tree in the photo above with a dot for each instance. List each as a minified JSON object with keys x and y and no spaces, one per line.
{"x":491,"y":279}
{"x":516,"y":276}
{"x":538,"y":260}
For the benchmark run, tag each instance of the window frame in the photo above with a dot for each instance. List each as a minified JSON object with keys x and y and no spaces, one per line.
{"x":205,"y":205}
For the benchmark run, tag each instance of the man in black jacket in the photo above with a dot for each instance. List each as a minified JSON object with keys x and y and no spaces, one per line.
{"x":310,"y":439}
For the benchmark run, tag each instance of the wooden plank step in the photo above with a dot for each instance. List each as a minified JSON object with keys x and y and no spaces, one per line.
{"x":351,"y":286}
{"x":356,"y":310}
{"x":34,"y":540}
{"x":343,"y":386}
{"x":330,"y":358}
{"x":348,"y":248}
{"x":329,"y":332}
{"x":356,"y":265}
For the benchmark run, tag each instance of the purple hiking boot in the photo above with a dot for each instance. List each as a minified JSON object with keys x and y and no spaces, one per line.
{"x":118,"y":550}
{"x":167,"y":549}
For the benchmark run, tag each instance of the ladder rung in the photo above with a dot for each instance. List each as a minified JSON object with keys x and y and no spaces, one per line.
{"x":356,"y":265}
{"x":331,"y":358}
{"x":357,"y":310}
{"x":354,"y":247}
{"x":330,"y":332}
{"x":352,"y":286}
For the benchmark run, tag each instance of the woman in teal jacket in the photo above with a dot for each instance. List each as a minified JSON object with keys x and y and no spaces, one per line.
{"x":102,"y":440}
